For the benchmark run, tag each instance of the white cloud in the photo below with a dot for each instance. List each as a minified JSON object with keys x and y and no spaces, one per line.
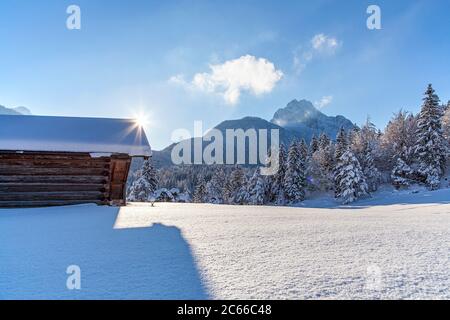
{"x":229,"y":79}
{"x":320,"y":44}
{"x":324,"y":43}
{"x":323,"y":102}
{"x":177,"y":79}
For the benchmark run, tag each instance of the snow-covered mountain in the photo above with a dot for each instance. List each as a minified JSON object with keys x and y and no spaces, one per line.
{"x":298,"y":120}
{"x":246,"y":123}
{"x":306,"y":121}
{"x":14,"y":111}
{"x":163,"y":158}
{"x":23,"y":110}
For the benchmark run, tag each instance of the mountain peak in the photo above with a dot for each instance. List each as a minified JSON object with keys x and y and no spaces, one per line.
{"x":22,"y":110}
{"x":303,"y":118}
{"x":14,"y":111}
{"x":296,"y":112}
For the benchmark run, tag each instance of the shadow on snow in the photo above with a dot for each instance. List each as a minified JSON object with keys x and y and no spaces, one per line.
{"x":37,"y":246}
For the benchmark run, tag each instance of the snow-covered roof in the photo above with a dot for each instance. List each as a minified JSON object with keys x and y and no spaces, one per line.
{"x":67,"y":134}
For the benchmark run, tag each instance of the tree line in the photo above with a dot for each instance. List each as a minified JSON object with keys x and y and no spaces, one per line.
{"x":412,"y":149}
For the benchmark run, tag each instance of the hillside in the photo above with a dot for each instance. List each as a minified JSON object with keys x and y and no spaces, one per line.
{"x":298,"y":120}
{"x":17,"y":111}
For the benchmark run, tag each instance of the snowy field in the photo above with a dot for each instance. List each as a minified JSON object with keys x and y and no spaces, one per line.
{"x":174,"y":251}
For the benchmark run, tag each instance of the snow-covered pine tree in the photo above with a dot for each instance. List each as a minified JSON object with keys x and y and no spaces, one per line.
{"x":353,"y":135}
{"x":242,"y":196}
{"x":234,"y":184}
{"x":256,"y":189}
{"x":430,"y":151}
{"x":277,"y":187}
{"x":401,"y":174}
{"x":341,"y":143}
{"x":446,"y":125}
{"x":326,"y":154}
{"x":227,"y":192}
{"x":274,"y":189}
{"x":303,"y":150}
{"x":200,"y":192}
{"x":215,"y":186}
{"x":314,"y":145}
{"x":306,"y":156}
{"x":349,"y":178}
{"x":370,"y":171}
{"x":360,"y":138}
{"x":340,"y":148}
{"x":294,"y":180}
{"x":324,"y":141}
{"x":269,"y":181}
{"x":145,"y":185}
{"x":398,"y":139}
{"x":320,"y":167}
{"x":303,"y":162}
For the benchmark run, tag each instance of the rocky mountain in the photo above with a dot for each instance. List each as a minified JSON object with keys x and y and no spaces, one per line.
{"x":306,"y":121}
{"x":163,"y":158}
{"x":298,"y":120}
{"x":14,"y":111}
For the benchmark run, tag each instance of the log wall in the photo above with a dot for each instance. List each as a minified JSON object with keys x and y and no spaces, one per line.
{"x":46,"y":179}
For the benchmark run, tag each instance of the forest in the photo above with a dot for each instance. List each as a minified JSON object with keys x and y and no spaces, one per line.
{"x":412,"y":149}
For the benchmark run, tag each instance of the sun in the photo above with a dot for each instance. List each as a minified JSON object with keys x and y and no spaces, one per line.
{"x":142,"y":119}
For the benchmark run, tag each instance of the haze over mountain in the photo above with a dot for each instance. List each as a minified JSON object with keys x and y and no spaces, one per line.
{"x":14,"y":111}
{"x":303,"y":118}
{"x":298,"y":120}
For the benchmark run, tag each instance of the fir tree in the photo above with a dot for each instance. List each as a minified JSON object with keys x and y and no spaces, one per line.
{"x":256,"y":189}
{"x":340,"y":148}
{"x":314,"y":145}
{"x":324,"y":141}
{"x":446,"y":125}
{"x":430,"y":147}
{"x":303,"y":150}
{"x":401,"y":174}
{"x":242,"y":196}
{"x":320,"y":166}
{"x":215,"y":186}
{"x":145,"y":185}
{"x":349,"y":178}
{"x":353,"y":135}
{"x":277,"y":188}
{"x":200,"y":193}
{"x":233,"y":186}
{"x":341,"y":143}
{"x":325,"y":155}
{"x":371,"y":173}
{"x":294,"y":180}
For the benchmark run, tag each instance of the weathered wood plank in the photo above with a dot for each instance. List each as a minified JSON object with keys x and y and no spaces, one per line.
{"x":32,"y":170}
{"x":61,"y":178}
{"x":46,"y":203}
{"x":46,"y":187}
{"x":29,"y":196}
{"x":51,"y":156}
{"x":4,"y":163}
{"x":118,"y":177}
{"x":55,"y":179}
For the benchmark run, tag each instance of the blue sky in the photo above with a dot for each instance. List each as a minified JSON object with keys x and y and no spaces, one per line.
{"x":155,"y":57}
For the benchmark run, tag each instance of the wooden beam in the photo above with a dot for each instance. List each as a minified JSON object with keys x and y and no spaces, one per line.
{"x":46,"y":203}
{"x":55,"y":179}
{"x":50,"y":187}
{"x":32,"y":170}
{"x":66,"y":195}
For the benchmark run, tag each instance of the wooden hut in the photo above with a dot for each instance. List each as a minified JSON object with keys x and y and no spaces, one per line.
{"x":48,"y":161}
